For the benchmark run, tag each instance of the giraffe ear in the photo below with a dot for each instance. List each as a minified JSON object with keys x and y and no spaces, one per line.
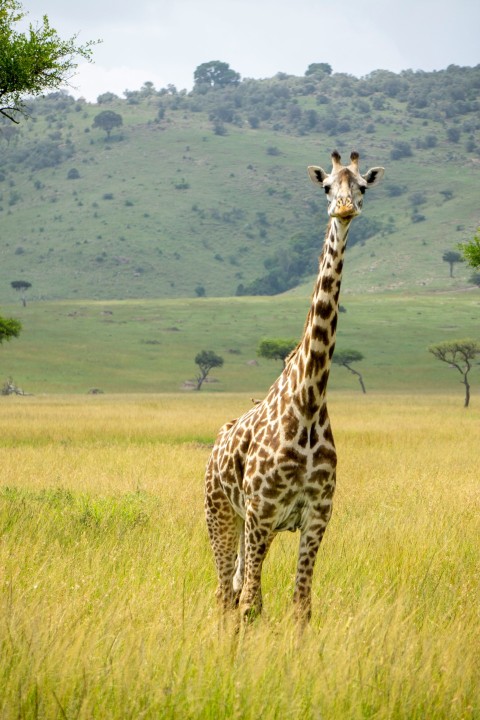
{"x":374,"y":175}
{"x":317,"y":174}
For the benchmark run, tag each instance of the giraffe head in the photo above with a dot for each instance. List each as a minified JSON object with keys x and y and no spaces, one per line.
{"x":344,"y":186}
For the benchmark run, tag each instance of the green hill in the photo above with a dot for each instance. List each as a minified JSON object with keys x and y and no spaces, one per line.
{"x":207,"y":192}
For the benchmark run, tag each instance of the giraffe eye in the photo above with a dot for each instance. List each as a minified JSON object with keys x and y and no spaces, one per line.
{"x":362,"y":190}
{"x":327,"y":189}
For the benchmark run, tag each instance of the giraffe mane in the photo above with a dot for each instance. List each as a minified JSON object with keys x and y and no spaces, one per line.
{"x":295,"y":350}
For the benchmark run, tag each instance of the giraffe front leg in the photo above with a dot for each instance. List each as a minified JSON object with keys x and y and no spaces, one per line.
{"x":258,"y":538}
{"x":310,"y":540}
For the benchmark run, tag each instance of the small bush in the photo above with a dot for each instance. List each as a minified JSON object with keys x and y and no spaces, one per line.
{"x":182,"y":185}
{"x":14,"y":197}
{"x":453,"y":134}
{"x":418,"y":217}
{"x":401,"y":150}
{"x":219,"y":128}
{"x":395,"y":190}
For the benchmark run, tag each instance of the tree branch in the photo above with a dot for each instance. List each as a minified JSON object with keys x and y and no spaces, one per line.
{"x":5,"y":114}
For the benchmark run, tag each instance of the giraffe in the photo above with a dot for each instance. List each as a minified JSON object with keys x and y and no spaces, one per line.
{"x":273,"y":469}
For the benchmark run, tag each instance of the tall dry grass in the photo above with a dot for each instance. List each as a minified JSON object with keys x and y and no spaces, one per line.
{"x":107,"y":579}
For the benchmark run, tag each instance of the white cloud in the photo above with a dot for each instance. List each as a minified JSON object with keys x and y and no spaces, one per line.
{"x":165,"y":40}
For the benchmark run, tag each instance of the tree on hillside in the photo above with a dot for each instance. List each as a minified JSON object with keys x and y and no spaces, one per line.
{"x":451,"y":257}
{"x":34,"y":61}
{"x":9,"y":328}
{"x":276,"y":349}
{"x":346,"y":358}
{"x":471,"y":250}
{"x":460,"y":355}
{"x":107,"y":120}
{"x":21,"y":286}
{"x":206,"y":360}
{"x":215,"y":74}
{"x":107,"y":97}
{"x":318,"y":69}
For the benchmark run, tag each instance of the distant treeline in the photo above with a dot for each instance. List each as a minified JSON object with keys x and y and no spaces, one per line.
{"x":443,"y":95}
{"x":440,"y":95}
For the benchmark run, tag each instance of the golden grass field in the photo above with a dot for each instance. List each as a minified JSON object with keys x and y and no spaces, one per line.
{"x":107,"y":579}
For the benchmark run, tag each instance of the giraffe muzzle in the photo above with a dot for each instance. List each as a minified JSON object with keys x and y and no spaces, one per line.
{"x":344,"y":208}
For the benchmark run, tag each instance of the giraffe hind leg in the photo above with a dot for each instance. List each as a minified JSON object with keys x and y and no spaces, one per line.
{"x":224,"y":528}
{"x":239,"y":566}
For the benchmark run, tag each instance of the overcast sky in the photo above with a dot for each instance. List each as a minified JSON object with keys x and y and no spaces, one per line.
{"x":163,"y":41}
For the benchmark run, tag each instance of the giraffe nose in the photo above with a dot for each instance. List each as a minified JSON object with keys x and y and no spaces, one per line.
{"x":344,"y":206}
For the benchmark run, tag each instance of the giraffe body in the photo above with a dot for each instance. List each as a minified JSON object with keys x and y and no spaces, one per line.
{"x":273,"y":469}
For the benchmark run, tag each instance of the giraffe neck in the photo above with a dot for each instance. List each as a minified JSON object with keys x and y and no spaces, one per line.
{"x":308,"y":370}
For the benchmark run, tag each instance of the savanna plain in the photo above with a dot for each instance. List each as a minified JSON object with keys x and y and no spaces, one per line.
{"x":107,"y":579}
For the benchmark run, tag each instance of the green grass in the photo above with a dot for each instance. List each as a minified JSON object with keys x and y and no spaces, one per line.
{"x":107,"y":579}
{"x":150,"y":345}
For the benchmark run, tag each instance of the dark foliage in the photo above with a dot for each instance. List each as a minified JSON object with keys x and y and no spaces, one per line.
{"x":289,"y":266}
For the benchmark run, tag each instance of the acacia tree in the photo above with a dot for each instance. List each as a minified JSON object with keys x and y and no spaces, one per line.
{"x":21,"y":286}
{"x":458,"y":354}
{"x":34,"y":61}
{"x":107,"y":120}
{"x":206,"y":360}
{"x":215,"y":74}
{"x":346,"y":358}
{"x":471,"y":250}
{"x":451,"y":257}
{"x":318,"y":69}
{"x":276,"y":349}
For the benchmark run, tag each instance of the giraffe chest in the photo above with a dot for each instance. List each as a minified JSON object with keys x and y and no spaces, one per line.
{"x":283,"y":480}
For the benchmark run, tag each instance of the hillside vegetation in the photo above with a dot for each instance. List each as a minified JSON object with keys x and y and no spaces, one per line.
{"x":206,"y":193}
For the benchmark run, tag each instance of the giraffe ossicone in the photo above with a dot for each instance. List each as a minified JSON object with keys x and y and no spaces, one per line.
{"x":273,"y":468}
